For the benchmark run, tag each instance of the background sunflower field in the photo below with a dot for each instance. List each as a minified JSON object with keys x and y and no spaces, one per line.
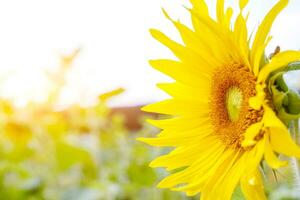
{"x":76,"y":152}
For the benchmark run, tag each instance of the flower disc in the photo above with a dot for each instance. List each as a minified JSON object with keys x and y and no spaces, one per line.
{"x":232,"y":83}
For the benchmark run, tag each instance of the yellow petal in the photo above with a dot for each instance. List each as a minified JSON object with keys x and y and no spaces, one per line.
{"x":220,"y":11}
{"x":252,"y":186}
{"x":251,"y":162}
{"x":270,"y":119}
{"x":245,"y":164}
{"x":181,"y":138}
{"x":229,"y":182}
{"x":218,"y":169}
{"x":185,"y":54}
{"x":182,"y":91}
{"x":215,"y":183}
{"x":210,"y":35}
{"x":199,"y":167}
{"x":228,"y":15}
{"x":258,"y":56}
{"x":177,"y":158}
{"x":243,"y":3}
{"x":278,"y":61}
{"x":202,"y":46}
{"x":200,"y":6}
{"x":180,"y":123}
{"x":282,"y":142}
{"x":263,"y":31}
{"x":251,"y":132}
{"x":271,"y":158}
{"x":178,"y":107}
{"x":241,"y":32}
{"x":222,"y":37}
{"x":181,"y":72}
{"x":258,"y":100}
{"x":280,"y":138}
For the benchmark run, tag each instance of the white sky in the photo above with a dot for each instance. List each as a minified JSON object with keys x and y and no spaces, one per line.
{"x":115,"y":40}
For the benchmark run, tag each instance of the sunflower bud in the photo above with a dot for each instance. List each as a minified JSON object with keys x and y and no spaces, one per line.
{"x":286,"y":101}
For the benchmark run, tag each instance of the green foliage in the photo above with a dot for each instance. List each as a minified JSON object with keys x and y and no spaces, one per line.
{"x":76,"y":153}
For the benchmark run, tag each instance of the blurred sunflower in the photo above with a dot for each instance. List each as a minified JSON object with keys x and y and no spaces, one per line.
{"x":224,"y":123}
{"x":17,"y":132}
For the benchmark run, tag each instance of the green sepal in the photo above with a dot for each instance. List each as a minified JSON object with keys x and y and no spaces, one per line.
{"x":293,"y":106}
{"x":279,"y":98}
{"x":286,"y":117}
{"x":280,"y":83}
{"x":293,"y":66}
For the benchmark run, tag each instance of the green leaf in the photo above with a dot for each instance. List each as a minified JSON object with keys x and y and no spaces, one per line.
{"x":68,"y":155}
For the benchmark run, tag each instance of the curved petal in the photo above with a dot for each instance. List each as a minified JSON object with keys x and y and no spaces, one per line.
{"x":215,"y":173}
{"x":220,"y":11}
{"x":280,"y":138}
{"x":245,"y":164}
{"x":171,"y":138}
{"x":215,"y":182}
{"x":183,"y":91}
{"x":183,"y":53}
{"x":252,"y":186}
{"x":271,"y":158}
{"x":282,"y":142}
{"x":258,"y":57}
{"x":263,"y":31}
{"x":241,"y":36}
{"x":222,"y":36}
{"x":271,"y":120}
{"x":278,"y":61}
{"x":200,"y":6}
{"x":258,"y":100}
{"x":178,"y":107}
{"x":251,"y":132}
{"x":177,"y":158}
{"x":182,"y":72}
{"x":243,"y":3}
{"x":179,"y":123}
{"x":201,"y":46}
{"x":199,"y":168}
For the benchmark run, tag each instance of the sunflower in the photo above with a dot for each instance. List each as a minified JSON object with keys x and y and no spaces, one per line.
{"x":222,"y":122}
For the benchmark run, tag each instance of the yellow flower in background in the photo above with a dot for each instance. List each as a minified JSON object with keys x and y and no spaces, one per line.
{"x":223,"y":123}
{"x":16,"y":132}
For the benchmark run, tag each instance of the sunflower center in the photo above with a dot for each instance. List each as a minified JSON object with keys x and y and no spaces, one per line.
{"x":234,"y":99}
{"x":230,"y":112}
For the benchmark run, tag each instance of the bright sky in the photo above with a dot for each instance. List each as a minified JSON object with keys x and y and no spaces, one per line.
{"x":115,"y":41}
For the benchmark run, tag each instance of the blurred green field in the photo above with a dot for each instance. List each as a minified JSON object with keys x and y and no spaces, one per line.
{"x":77,"y":152}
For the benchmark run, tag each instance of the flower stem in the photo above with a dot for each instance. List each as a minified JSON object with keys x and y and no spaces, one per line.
{"x":294,"y":128}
